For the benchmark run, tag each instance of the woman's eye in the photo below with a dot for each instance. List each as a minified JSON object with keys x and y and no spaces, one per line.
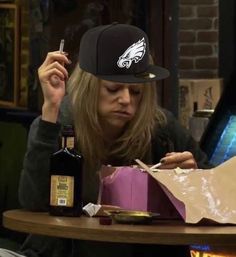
{"x":112,"y":90}
{"x":135,"y":91}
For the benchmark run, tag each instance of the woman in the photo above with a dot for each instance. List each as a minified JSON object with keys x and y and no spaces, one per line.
{"x":111,"y":101}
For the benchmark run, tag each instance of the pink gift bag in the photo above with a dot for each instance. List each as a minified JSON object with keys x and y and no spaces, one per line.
{"x":131,"y":188}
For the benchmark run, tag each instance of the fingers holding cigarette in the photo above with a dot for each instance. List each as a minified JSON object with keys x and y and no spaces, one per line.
{"x":55,"y":63}
{"x":52,"y":70}
{"x":53,"y":73}
{"x":184,"y":160}
{"x":59,"y":55}
{"x":172,"y":160}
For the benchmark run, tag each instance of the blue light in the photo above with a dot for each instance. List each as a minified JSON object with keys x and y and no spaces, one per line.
{"x":226,"y":146}
{"x":205,"y":248}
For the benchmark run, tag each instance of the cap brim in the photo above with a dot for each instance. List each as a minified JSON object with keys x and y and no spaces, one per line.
{"x":153,"y":73}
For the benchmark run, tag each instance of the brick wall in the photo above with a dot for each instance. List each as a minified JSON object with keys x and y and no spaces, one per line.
{"x":198,"y":39}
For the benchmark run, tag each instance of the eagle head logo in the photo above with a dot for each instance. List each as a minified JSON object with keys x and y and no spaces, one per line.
{"x":134,"y":53}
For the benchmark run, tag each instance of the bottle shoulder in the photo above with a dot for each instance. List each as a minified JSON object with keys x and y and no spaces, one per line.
{"x":66,"y":152}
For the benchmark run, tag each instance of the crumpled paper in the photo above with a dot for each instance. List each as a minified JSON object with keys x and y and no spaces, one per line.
{"x":201,"y":194}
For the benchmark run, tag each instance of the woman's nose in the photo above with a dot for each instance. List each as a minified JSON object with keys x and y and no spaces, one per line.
{"x":124,"y":97}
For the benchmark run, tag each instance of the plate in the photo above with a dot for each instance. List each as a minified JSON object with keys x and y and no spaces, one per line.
{"x":131,"y":217}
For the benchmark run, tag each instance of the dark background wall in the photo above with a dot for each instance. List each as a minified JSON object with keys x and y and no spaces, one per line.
{"x":227,"y":39}
{"x":13,"y":144}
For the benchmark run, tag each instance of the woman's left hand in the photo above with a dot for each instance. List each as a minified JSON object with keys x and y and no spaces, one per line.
{"x":183,"y":160}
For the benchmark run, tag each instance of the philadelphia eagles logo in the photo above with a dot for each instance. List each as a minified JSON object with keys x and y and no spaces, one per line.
{"x":134,"y":53}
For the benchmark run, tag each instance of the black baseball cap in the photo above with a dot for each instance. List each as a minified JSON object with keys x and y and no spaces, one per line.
{"x":120,"y":53}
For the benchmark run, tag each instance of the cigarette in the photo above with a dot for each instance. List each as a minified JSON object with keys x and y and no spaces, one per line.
{"x":61,"y":48}
{"x":54,"y":78}
{"x":156,"y":165}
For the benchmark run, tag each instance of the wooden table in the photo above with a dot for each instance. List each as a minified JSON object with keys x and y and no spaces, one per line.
{"x":160,"y":232}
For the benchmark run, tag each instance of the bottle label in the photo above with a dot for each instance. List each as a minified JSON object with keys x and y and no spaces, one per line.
{"x":62,"y":191}
{"x":68,"y":142}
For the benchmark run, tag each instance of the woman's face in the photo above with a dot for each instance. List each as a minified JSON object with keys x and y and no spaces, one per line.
{"x":118,"y":103}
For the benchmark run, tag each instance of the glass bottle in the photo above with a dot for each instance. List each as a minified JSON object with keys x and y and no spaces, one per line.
{"x":66,"y":170}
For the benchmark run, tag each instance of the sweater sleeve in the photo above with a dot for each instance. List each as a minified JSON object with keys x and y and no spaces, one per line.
{"x":34,"y":181}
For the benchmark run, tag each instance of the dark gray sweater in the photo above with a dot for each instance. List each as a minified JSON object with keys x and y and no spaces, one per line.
{"x":34,"y":183}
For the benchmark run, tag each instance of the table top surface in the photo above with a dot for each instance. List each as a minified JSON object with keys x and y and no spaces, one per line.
{"x":171,"y":232}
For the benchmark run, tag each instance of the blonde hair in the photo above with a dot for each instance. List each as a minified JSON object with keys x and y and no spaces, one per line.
{"x":83,"y":89}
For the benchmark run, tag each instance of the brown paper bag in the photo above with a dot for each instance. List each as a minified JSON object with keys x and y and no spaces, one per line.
{"x":201,"y":194}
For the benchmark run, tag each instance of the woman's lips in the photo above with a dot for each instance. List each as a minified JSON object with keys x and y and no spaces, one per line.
{"x":123,"y":114}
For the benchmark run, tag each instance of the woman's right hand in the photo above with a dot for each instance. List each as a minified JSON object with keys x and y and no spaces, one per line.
{"x":52,"y":76}
{"x":183,"y":160}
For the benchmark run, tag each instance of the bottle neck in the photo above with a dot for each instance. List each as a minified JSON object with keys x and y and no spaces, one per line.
{"x":68,"y":142}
